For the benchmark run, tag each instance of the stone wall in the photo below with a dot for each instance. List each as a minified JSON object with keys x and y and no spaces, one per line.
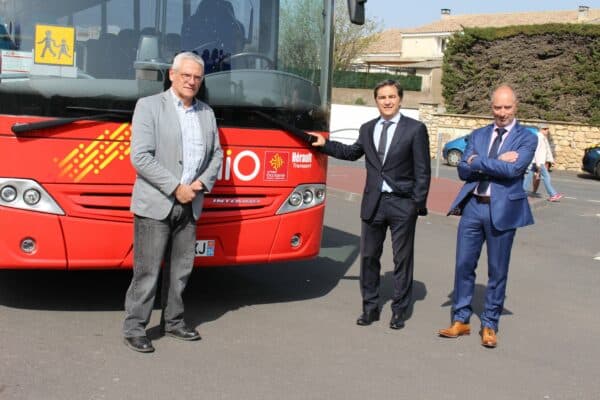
{"x":569,"y":140}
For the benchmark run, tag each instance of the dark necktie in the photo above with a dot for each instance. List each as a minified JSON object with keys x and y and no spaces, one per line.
{"x":383,"y":140}
{"x":483,"y":185}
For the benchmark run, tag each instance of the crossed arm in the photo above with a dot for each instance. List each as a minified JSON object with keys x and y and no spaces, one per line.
{"x":509,"y":164}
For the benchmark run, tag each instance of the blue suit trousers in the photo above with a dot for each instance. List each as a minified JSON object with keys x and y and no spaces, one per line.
{"x":474,"y":229}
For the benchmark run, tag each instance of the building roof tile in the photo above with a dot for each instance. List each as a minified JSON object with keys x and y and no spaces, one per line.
{"x":454,"y":23}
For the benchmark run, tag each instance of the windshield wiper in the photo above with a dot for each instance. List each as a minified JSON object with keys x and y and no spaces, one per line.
{"x":16,"y":75}
{"x":53,"y":123}
{"x":299,"y":133}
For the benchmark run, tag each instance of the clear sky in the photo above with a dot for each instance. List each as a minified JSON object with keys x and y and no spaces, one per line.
{"x":410,"y":14}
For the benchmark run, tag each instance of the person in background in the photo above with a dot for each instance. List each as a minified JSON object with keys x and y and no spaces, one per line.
{"x":540,"y":168}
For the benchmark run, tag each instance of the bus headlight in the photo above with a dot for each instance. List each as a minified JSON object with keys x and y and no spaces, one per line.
{"x":32,"y":197}
{"x":27,"y":194}
{"x":295,"y":199}
{"x":28,"y":246}
{"x":296,"y":240}
{"x":8,"y":193}
{"x":308,"y":196}
{"x":303,"y":197}
{"x":320,"y":193}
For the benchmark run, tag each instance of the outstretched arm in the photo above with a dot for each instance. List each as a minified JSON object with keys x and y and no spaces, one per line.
{"x":339,"y":150}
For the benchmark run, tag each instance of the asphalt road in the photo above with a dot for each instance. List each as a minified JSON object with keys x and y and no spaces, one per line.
{"x":287,"y":331}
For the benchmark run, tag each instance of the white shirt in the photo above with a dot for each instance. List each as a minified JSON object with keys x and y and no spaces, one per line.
{"x":509,"y":129}
{"x":390,"y":135}
{"x":543,"y":151}
{"x":191,"y":139}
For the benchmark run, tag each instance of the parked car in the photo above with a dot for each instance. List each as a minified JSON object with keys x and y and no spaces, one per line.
{"x":454,"y":149}
{"x":591,"y":160}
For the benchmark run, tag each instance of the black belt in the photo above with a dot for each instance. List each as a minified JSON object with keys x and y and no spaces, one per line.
{"x":482,"y":199}
{"x":396,"y":194}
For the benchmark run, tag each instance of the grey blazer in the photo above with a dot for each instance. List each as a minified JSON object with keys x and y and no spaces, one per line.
{"x":156,"y":155}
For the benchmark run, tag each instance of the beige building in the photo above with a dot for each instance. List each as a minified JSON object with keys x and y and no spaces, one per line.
{"x":421,"y":50}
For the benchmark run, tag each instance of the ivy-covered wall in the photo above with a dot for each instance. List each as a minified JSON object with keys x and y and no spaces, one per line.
{"x":554,"y":68}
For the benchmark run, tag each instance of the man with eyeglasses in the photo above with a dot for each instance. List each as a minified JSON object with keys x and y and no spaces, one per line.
{"x":176,"y":153}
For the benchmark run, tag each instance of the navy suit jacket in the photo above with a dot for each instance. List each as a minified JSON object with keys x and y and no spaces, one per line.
{"x":509,"y":205}
{"x":407,"y":166}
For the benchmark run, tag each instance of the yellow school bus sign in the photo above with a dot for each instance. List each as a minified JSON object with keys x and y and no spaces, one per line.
{"x":54,"y":45}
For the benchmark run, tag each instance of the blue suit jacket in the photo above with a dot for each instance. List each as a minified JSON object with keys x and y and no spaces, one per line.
{"x":509,"y":205}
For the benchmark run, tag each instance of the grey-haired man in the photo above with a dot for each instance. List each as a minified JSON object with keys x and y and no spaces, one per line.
{"x":176,"y":153}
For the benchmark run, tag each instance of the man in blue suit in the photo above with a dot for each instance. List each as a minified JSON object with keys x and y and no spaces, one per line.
{"x":493,"y":205}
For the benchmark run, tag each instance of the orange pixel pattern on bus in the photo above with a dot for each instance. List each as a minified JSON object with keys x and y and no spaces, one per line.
{"x":97,"y":155}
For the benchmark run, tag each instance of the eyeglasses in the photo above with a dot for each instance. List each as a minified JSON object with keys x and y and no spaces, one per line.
{"x":189,"y":77}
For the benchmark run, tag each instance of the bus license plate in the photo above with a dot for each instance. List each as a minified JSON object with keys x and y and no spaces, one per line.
{"x":205,"y":248}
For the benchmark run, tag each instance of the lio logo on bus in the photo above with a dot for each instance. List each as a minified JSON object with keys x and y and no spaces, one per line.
{"x":244,"y":166}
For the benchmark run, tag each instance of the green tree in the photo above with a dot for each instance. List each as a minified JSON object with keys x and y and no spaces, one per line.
{"x":351,"y":40}
{"x":301,"y":34}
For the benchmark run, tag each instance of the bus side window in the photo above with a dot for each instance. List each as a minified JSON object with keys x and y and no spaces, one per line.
{"x":80,"y":55}
{"x":171,"y":46}
{"x":92,"y":54}
{"x":127,"y":40}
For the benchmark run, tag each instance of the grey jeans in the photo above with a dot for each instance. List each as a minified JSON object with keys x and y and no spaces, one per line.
{"x":171,"y":240}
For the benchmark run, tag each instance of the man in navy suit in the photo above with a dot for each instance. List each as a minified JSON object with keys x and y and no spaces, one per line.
{"x":493,"y":205}
{"x":396,"y":150}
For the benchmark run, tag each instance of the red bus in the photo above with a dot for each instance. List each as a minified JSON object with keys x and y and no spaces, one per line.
{"x":71,"y":72}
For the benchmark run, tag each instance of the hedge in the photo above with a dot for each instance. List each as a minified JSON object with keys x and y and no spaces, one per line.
{"x":359,"y":80}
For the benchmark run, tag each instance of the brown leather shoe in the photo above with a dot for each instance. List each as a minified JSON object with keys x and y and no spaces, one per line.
{"x":457,"y":329}
{"x":488,"y":338}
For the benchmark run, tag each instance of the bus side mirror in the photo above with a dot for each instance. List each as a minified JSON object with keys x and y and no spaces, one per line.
{"x":148,"y":49}
{"x":148,"y":65}
{"x":356,"y":8}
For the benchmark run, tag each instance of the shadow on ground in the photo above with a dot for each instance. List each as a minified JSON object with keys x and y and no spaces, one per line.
{"x":386,"y":290}
{"x":211,"y":292}
{"x":477,"y":303}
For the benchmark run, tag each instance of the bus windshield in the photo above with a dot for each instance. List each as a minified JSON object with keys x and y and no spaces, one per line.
{"x":81,"y":58}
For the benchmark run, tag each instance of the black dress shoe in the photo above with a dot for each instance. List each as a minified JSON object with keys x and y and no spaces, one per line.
{"x":184,"y":333}
{"x":397,"y":322}
{"x":368,"y":317}
{"x":139,"y":343}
